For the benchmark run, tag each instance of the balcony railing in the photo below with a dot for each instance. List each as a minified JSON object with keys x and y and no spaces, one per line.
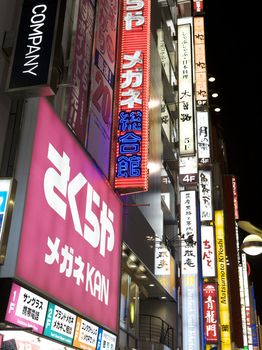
{"x":154,"y":330}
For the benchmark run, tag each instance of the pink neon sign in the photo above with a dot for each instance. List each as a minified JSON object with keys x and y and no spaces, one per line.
{"x":70,"y":239}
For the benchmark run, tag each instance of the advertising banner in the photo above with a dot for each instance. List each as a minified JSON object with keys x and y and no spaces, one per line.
{"x":71,"y":234}
{"x":31,"y":66}
{"x":210,"y":312}
{"x":26,"y":309}
{"x":100,"y":112}
{"x":60,"y":324}
{"x":86,"y":335}
{"x":132,"y":93}
{"x":78,"y":97}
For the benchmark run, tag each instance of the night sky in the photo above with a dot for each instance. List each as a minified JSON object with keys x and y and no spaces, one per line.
{"x":233,"y":56}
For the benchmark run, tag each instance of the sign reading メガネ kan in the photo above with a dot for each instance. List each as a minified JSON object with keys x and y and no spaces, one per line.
{"x":70,"y":239}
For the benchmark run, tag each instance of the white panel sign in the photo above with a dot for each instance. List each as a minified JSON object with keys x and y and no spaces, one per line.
{"x":185,"y":93}
{"x":208,"y":251}
{"x":205,"y":196}
{"x":203,"y":139}
{"x":188,"y":232}
{"x":162,"y":259}
{"x":190,"y":312}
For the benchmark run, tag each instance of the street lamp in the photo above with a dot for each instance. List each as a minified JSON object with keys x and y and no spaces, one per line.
{"x":252,"y":244}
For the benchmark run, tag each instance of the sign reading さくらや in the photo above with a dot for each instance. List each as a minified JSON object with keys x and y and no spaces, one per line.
{"x":71,"y":234}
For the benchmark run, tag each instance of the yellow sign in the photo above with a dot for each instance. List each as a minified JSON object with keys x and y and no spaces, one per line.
{"x":222,"y":282}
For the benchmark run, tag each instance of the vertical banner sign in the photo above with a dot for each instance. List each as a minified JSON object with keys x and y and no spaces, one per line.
{"x":200,"y":61}
{"x":210,"y":312}
{"x":189,"y":271}
{"x":247,"y":302}
{"x":203,"y":138}
{"x":185,"y":91}
{"x":234,"y":186}
{"x":208,"y":251}
{"x":188,"y":232}
{"x":243,"y":306}
{"x":71,"y":232}
{"x":223,"y":297}
{"x":133,"y":96}
{"x":31,"y":66}
{"x":162,"y":259}
{"x":100,"y":112}
{"x":81,"y":62}
{"x":198,"y":6}
{"x":205,"y":195}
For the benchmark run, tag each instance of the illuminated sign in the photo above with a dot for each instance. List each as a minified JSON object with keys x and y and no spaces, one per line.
{"x":100,"y":113}
{"x":78,"y":93}
{"x":7,"y":195}
{"x":162,"y":259}
{"x":205,"y":195}
{"x":203,"y":138}
{"x":198,"y":6}
{"x":133,"y":96}
{"x":31,"y":67}
{"x":185,"y":91}
{"x":210,"y":312}
{"x":106,"y":340}
{"x":188,"y":232}
{"x":223,"y":297}
{"x":247,"y":302}
{"x":190,"y":312}
{"x":26,"y":309}
{"x":200,"y":61}
{"x":71,"y":233}
{"x":208,"y":251}
{"x":188,"y":170}
{"x":86,"y":335}
{"x":234,"y":186}
{"x":60,"y":324}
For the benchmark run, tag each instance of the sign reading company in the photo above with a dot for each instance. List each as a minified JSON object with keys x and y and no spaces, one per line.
{"x":133,"y":97}
{"x":72,"y":224}
{"x":33,"y":54}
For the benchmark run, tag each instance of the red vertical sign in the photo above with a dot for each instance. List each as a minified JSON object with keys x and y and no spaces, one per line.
{"x":210,"y":312}
{"x":133,"y":96}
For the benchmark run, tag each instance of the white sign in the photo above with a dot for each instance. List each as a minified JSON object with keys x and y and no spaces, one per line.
{"x":162,"y":259}
{"x":60,"y":324}
{"x":188,"y":232}
{"x":208,"y":251}
{"x":106,"y":340}
{"x":203,"y":139}
{"x":185,"y":93}
{"x":205,"y":196}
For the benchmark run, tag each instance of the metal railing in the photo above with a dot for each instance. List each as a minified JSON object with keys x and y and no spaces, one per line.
{"x":155,"y":330}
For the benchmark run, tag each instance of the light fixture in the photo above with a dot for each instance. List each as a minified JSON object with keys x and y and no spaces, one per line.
{"x":252,"y":244}
{"x":217,"y":109}
{"x":214,"y":94}
{"x":211,"y":79}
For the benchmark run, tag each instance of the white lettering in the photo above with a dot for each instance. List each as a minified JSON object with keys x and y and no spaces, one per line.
{"x":97,"y":284}
{"x":35,"y":38}
{"x":97,"y":226}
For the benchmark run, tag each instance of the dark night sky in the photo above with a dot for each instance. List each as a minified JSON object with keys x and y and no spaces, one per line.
{"x":233,"y":55}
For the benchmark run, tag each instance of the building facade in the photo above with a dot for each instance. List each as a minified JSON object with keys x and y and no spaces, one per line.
{"x":116,"y":223}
